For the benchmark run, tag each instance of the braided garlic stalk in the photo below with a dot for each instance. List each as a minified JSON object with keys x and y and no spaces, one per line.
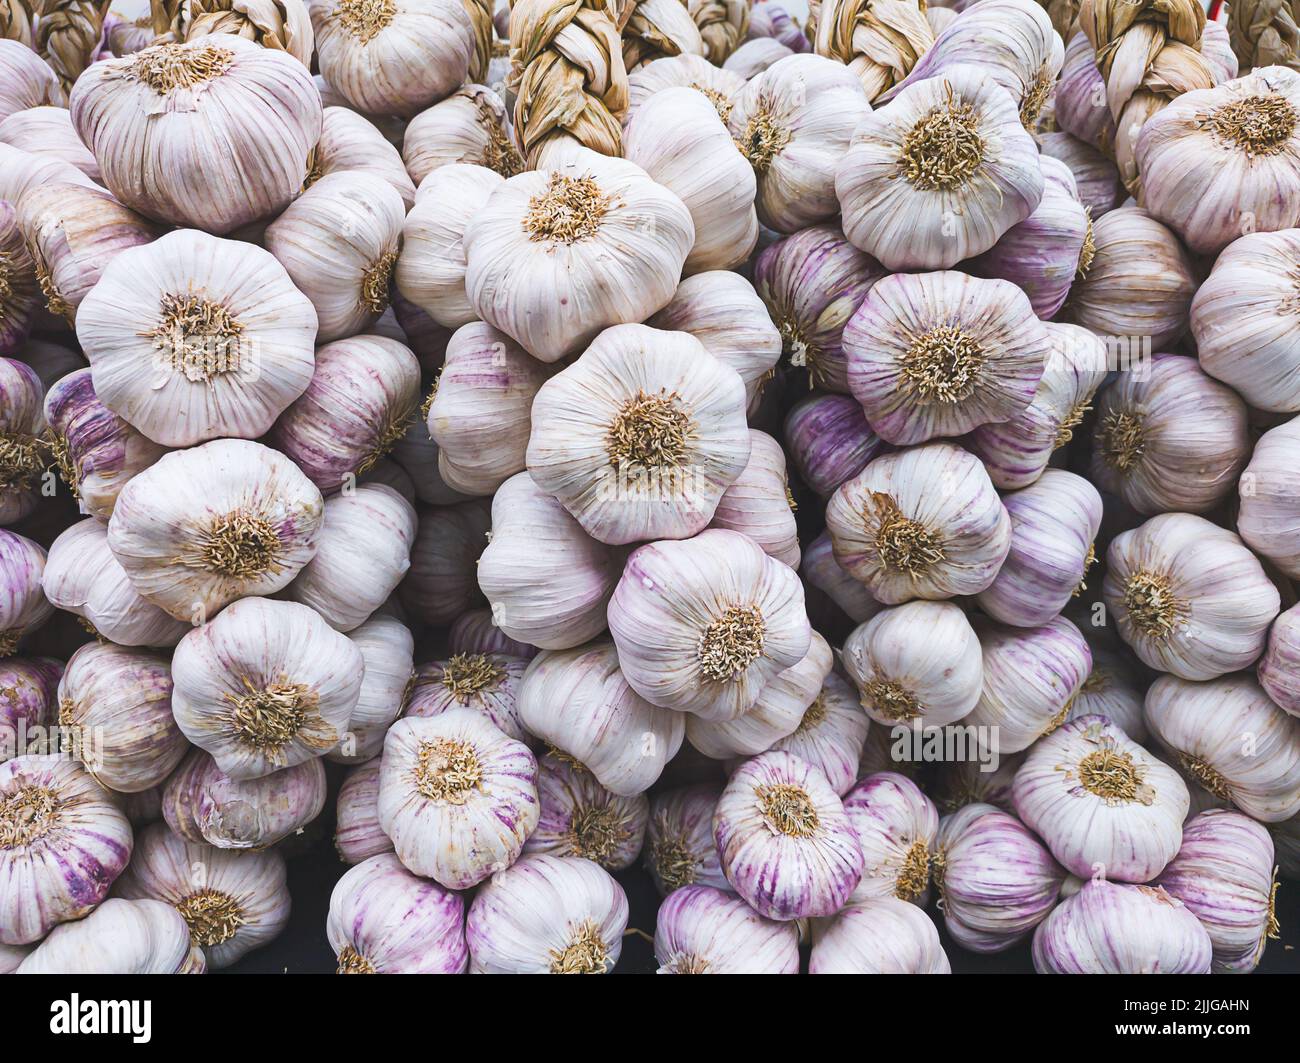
{"x":1264,"y":33}
{"x":722,"y":25}
{"x":16,"y":20}
{"x":480,"y":15}
{"x":654,"y":29}
{"x":283,"y":25}
{"x":1064,"y":14}
{"x":880,"y":40}
{"x":67,"y":35}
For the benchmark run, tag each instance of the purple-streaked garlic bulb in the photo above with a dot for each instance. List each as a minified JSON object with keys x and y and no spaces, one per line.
{"x":579,"y":702}
{"x":63,"y":841}
{"x":350,"y":143}
{"x":232,"y":902}
{"x":387,"y":651}
{"x":547,"y":915}
{"x":1269,"y":516}
{"x":192,"y":338}
{"x":937,"y":354}
{"x":639,"y":438}
{"x":24,"y":453}
{"x":675,"y":71}
{"x":266,"y":685}
{"x":812,"y":282}
{"x":203,"y":527}
{"x":939,"y":174}
{"x":702,"y":625}
{"x":972,"y":781}
{"x":1170,"y":439}
{"x":793,"y":122}
{"x":96,"y":450}
{"x":579,"y":817}
{"x":921,"y":523}
{"x":995,"y":880}
{"x":1114,"y":689}
{"x":777,"y":810}
{"x":385,"y":920}
{"x":1081,"y":98}
{"x":1115,"y":928}
{"x":547,"y":580}
{"x":115,"y":712}
{"x":1016,"y":451}
{"x":29,"y":701}
{"x":203,"y":804}
{"x":357,"y":833}
{"x":679,"y":849}
{"x":25,"y":79}
{"x":1188,"y":597}
{"x":831,"y":734}
{"x":703,"y":930}
{"x":1232,"y":740}
{"x":441,"y":582}
{"x":895,"y":824}
{"x":1279,"y":669}
{"x":829,"y":440}
{"x":917,"y":661}
{"x":23,"y":605}
{"x":362,"y":395}
{"x":758,"y":502}
{"x":475,"y":631}
{"x":1103,"y":804}
{"x":1224,"y":875}
{"x":457,"y":796}
{"x":20,"y":293}
{"x":489,"y":683}
{"x":119,"y":937}
{"x":821,"y":571}
{"x":879,"y":936}
{"x":769,"y":19}
{"x":1096,"y":177}
{"x":470,"y":127}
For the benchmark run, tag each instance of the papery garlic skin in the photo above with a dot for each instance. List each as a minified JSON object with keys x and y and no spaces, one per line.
{"x":829,"y":440}
{"x":1104,"y":806}
{"x":457,"y":796}
{"x":1113,"y":928}
{"x":471,"y":127}
{"x":476,"y":631}
{"x":24,"y":452}
{"x":778,"y":810}
{"x":995,"y":879}
{"x":921,"y":523}
{"x":679,"y":849}
{"x":350,"y":143}
{"x":683,"y":71}
{"x":385,"y":920}
{"x":822,"y":572}
{"x":23,"y":605}
{"x":231,"y":902}
{"x":387,"y":650}
{"x":489,"y":683}
{"x":702,"y":625}
{"x":203,"y":527}
{"x":22,"y":298}
{"x":266,"y":685}
{"x":232,"y":107}
{"x":1268,"y":515}
{"x":119,"y":937}
{"x":579,"y":817}
{"x":25,"y":80}
{"x":1188,"y":597}
{"x":441,"y":583}
{"x":702,"y":930}
{"x":895,"y":825}
{"x":191,"y":338}
{"x":1113,"y":689}
{"x":1279,"y":668}
{"x":879,"y":936}
{"x":357,"y":834}
{"x":547,"y":915}
{"x":28,"y":703}
{"x":880,"y":43}
{"x":1096,"y":177}
{"x":65,"y":841}
{"x":753,"y":57}
{"x":831,"y":734}
{"x":758,"y":503}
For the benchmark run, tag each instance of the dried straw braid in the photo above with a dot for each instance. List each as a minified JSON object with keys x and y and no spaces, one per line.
{"x":654,"y":29}
{"x":1064,"y":15}
{"x":1264,"y":33}
{"x":567,"y":74}
{"x":280,"y":24}
{"x":480,"y":17}
{"x":164,"y":14}
{"x":722,"y":25}
{"x":16,"y":18}
{"x":67,"y":34}
{"x":880,"y":40}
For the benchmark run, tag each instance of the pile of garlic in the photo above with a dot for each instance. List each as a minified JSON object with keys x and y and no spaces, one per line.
{"x":653,"y":439}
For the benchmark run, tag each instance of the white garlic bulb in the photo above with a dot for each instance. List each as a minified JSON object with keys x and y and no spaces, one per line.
{"x":23,"y":605}
{"x":25,"y":79}
{"x":579,"y":817}
{"x":703,"y":930}
{"x":387,"y":651}
{"x":47,"y":130}
{"x":475,"y":631}
{"x":895,"y":824}
{"x":350,"y":143}
{"x":24,"y":451}
{"x":489,"y":683}
{"x":1277,"y":670}
{"x":1267,"y":514}
{"x":879,"y":936}
{"x":119,"y":937}
{"x":679,"y":848}
{"x":357,"y":833}
{"x":1114,"y":689}
{"x":21,"y":298}
{"x":829,"y":440}
{"x":471,"y":127}
{"x":1096,"y":177}
{"x":822,"y":572}
{"x":753,"y":57}
{"x":683,"y":71}
{"x":759,"y":504}
{"x":831,"y":734}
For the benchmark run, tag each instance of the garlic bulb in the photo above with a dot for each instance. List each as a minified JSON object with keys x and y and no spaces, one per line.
{"x":822,"y":572}
{"x":22,"y":172}
{"x":350,"y":143}
{"x":358,"y":835}
{"x":469,"y":127}
{"x":702,"y":625}
{"x":25,"y":80}
{"x":1279,"y":668}
{"x":1139,"y":284}
{"x":457,"y":796}
{"x":1053,"y":524}
{"x":191,"y":338}
{"x":679,"y":849}
{"x":233,"y":108}
{"x":918,"y":661}
{"x":557,"y":255}
{"x":579,"y":817}
{"x":393,"y":58}
{"x":703,"y":930}
{"x":1224,"y":875}
{"x":232,"y":902}
{"x":1268,"y":514}
{"x":1115,"y":690}
{"x":20,"y":293}
{"x":385,"y":920}
{"x":441,"y":583}
{"x":1229,"y":737}
{"x":203,"y":804}
{"x":812,"y":282}
{"x":266,"y":685}
{"x":64,"y":842}
{"x":387,"y":650}
{"x":579,"y":702}
{"x":489,"y":683}
{"x":793,"y":123}
{"x":547,"y":915}
{"x":1095,"y":177}
{"x":279,"y":24}
{"x":476,"y":631}
{"x":47,"y":130}
{"x":753,"y":57}
{"x":678,"y":138}
{"x":1105,"y":806}
{"x":895,"y":824}
{"x":547,"y":581}
{"x":1215,"y":162}
{"x":28,"y":703}
{"x":937,"y":354}
{"x":1112,"y":928}
{"x":770,"y":19}
{"x":879,"y":936}
{"x":119,"y":937}
{"x":23,"y":605}
{"x":831,"y":734}
{"x":24,"y":453}
{"x":11,"y":956}
{"x":921,"y":523}
{"x":1016,"y":451}
{"x":829,"y":440}
{"x":880,"y":42}
{"x":1081,"y":98}
{"x":1188,"y":597}
{"x":758,"y":503}
{"x":684,"y":71}
{"x":969,"y":172}
{"x":203,"y":527}
{"x":1169,"y":438}
{"x":778,"y":810}
{"x":431,"y":269}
